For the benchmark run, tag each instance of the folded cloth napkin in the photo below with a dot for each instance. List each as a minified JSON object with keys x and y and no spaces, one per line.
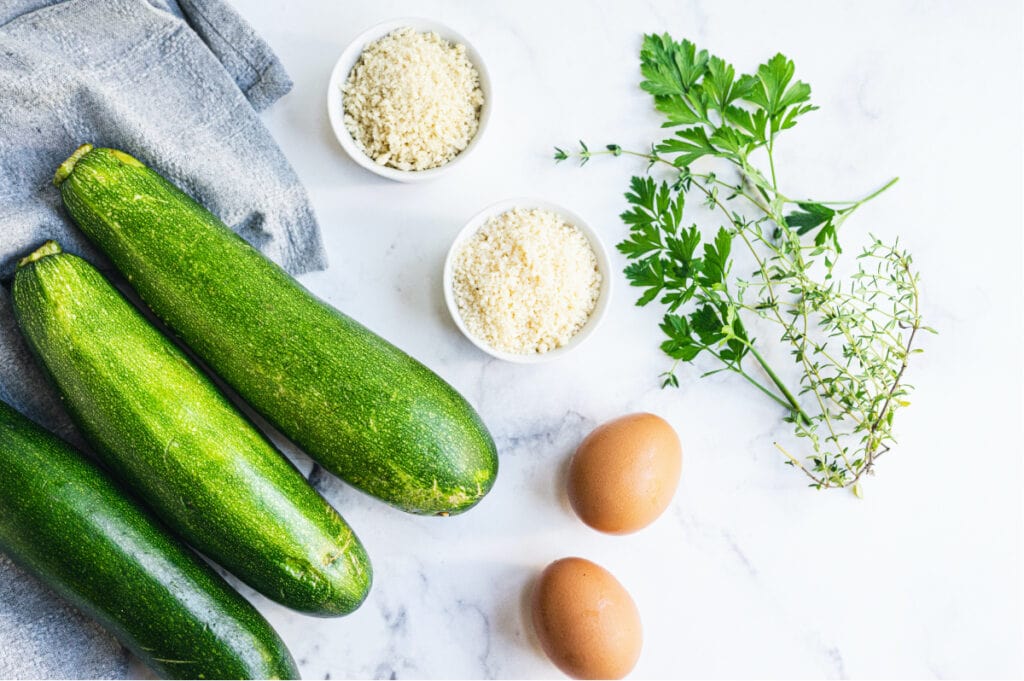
{"x":176,"y":83}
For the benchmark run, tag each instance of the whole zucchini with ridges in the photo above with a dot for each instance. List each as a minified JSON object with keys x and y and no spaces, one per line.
{"x":162,"y":428}
{"x":66,"y":522}
{"x":358,"y":405}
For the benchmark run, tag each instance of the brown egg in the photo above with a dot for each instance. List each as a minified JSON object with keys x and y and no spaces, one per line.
{"x":586,"y":621}
{"x":623,"y":475}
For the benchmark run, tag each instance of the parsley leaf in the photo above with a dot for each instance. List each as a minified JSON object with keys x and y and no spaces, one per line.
{"x":850,"y":342}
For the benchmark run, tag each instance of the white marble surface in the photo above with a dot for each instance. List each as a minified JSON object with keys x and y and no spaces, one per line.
{"x":749,"y":573}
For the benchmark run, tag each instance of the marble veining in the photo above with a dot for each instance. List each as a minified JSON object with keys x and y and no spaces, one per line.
{"x":749,"y":573}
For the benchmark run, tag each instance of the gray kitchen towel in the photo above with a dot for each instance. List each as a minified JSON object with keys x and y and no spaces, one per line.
{"x":176,"y":83}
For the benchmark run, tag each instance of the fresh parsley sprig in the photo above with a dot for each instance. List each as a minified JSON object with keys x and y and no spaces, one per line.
{"x":851,"y":339}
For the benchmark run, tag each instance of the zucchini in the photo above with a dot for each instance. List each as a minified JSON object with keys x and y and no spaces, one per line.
{"x":358,"y":405}
{"x":66,"y":522}
{"x":162,"y":428}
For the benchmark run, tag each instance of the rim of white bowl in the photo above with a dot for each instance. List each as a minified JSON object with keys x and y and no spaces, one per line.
{"x":603,"y":265}
{"x":351,"y":55}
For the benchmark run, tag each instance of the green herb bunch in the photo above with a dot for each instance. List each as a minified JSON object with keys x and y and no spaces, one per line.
{"x":850,"y":337}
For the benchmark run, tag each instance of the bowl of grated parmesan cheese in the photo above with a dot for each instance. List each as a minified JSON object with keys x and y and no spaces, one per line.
{"x":409,"y":99}
{"x":527,"y":280}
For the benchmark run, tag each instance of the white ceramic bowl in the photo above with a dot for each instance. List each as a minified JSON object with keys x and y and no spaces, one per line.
{"x":344,"y":66}
{"x":478,"y":221}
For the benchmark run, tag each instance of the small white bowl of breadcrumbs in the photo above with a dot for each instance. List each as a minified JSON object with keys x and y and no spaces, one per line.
{"x":409,"y":99}
{"x":527,"y":280}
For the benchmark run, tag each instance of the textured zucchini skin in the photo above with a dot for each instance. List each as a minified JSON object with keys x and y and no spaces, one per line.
{"x":358,"y":405}
{"x":65,"y":521}
{"x":162,"y":428}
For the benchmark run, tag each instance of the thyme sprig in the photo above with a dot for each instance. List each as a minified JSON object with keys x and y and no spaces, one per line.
{"x":851,"y":337}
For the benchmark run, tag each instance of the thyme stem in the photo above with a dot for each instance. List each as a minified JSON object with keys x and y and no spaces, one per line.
{"x":850,"y":340}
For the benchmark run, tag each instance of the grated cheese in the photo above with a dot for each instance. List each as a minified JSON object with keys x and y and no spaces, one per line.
{"x":413,"y":100}
{"x":526,"y":282}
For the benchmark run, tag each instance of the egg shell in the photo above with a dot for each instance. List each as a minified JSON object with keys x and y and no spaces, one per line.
{"x":625,"y":473}
{"x":586,"y":621}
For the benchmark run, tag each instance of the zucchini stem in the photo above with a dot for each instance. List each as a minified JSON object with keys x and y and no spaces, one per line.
{"x":67,"y":166}
{"x":49,"y":248}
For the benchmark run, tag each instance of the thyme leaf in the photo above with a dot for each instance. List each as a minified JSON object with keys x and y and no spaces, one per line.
{"x":849,"y":338}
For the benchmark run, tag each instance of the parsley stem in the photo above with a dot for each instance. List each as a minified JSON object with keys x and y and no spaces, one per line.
{"x":877,"y":192}
{"x":791,"y":402}
{"x":852,"y":204}
{"x":851,"y":342}
{"x":760,"y":386}
{"x":794,"y":404}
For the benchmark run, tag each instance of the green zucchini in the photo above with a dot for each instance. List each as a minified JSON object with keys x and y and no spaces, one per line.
{"x":66,"y":522}
{"x":162,"y":428}
{"x":358,"y":405}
